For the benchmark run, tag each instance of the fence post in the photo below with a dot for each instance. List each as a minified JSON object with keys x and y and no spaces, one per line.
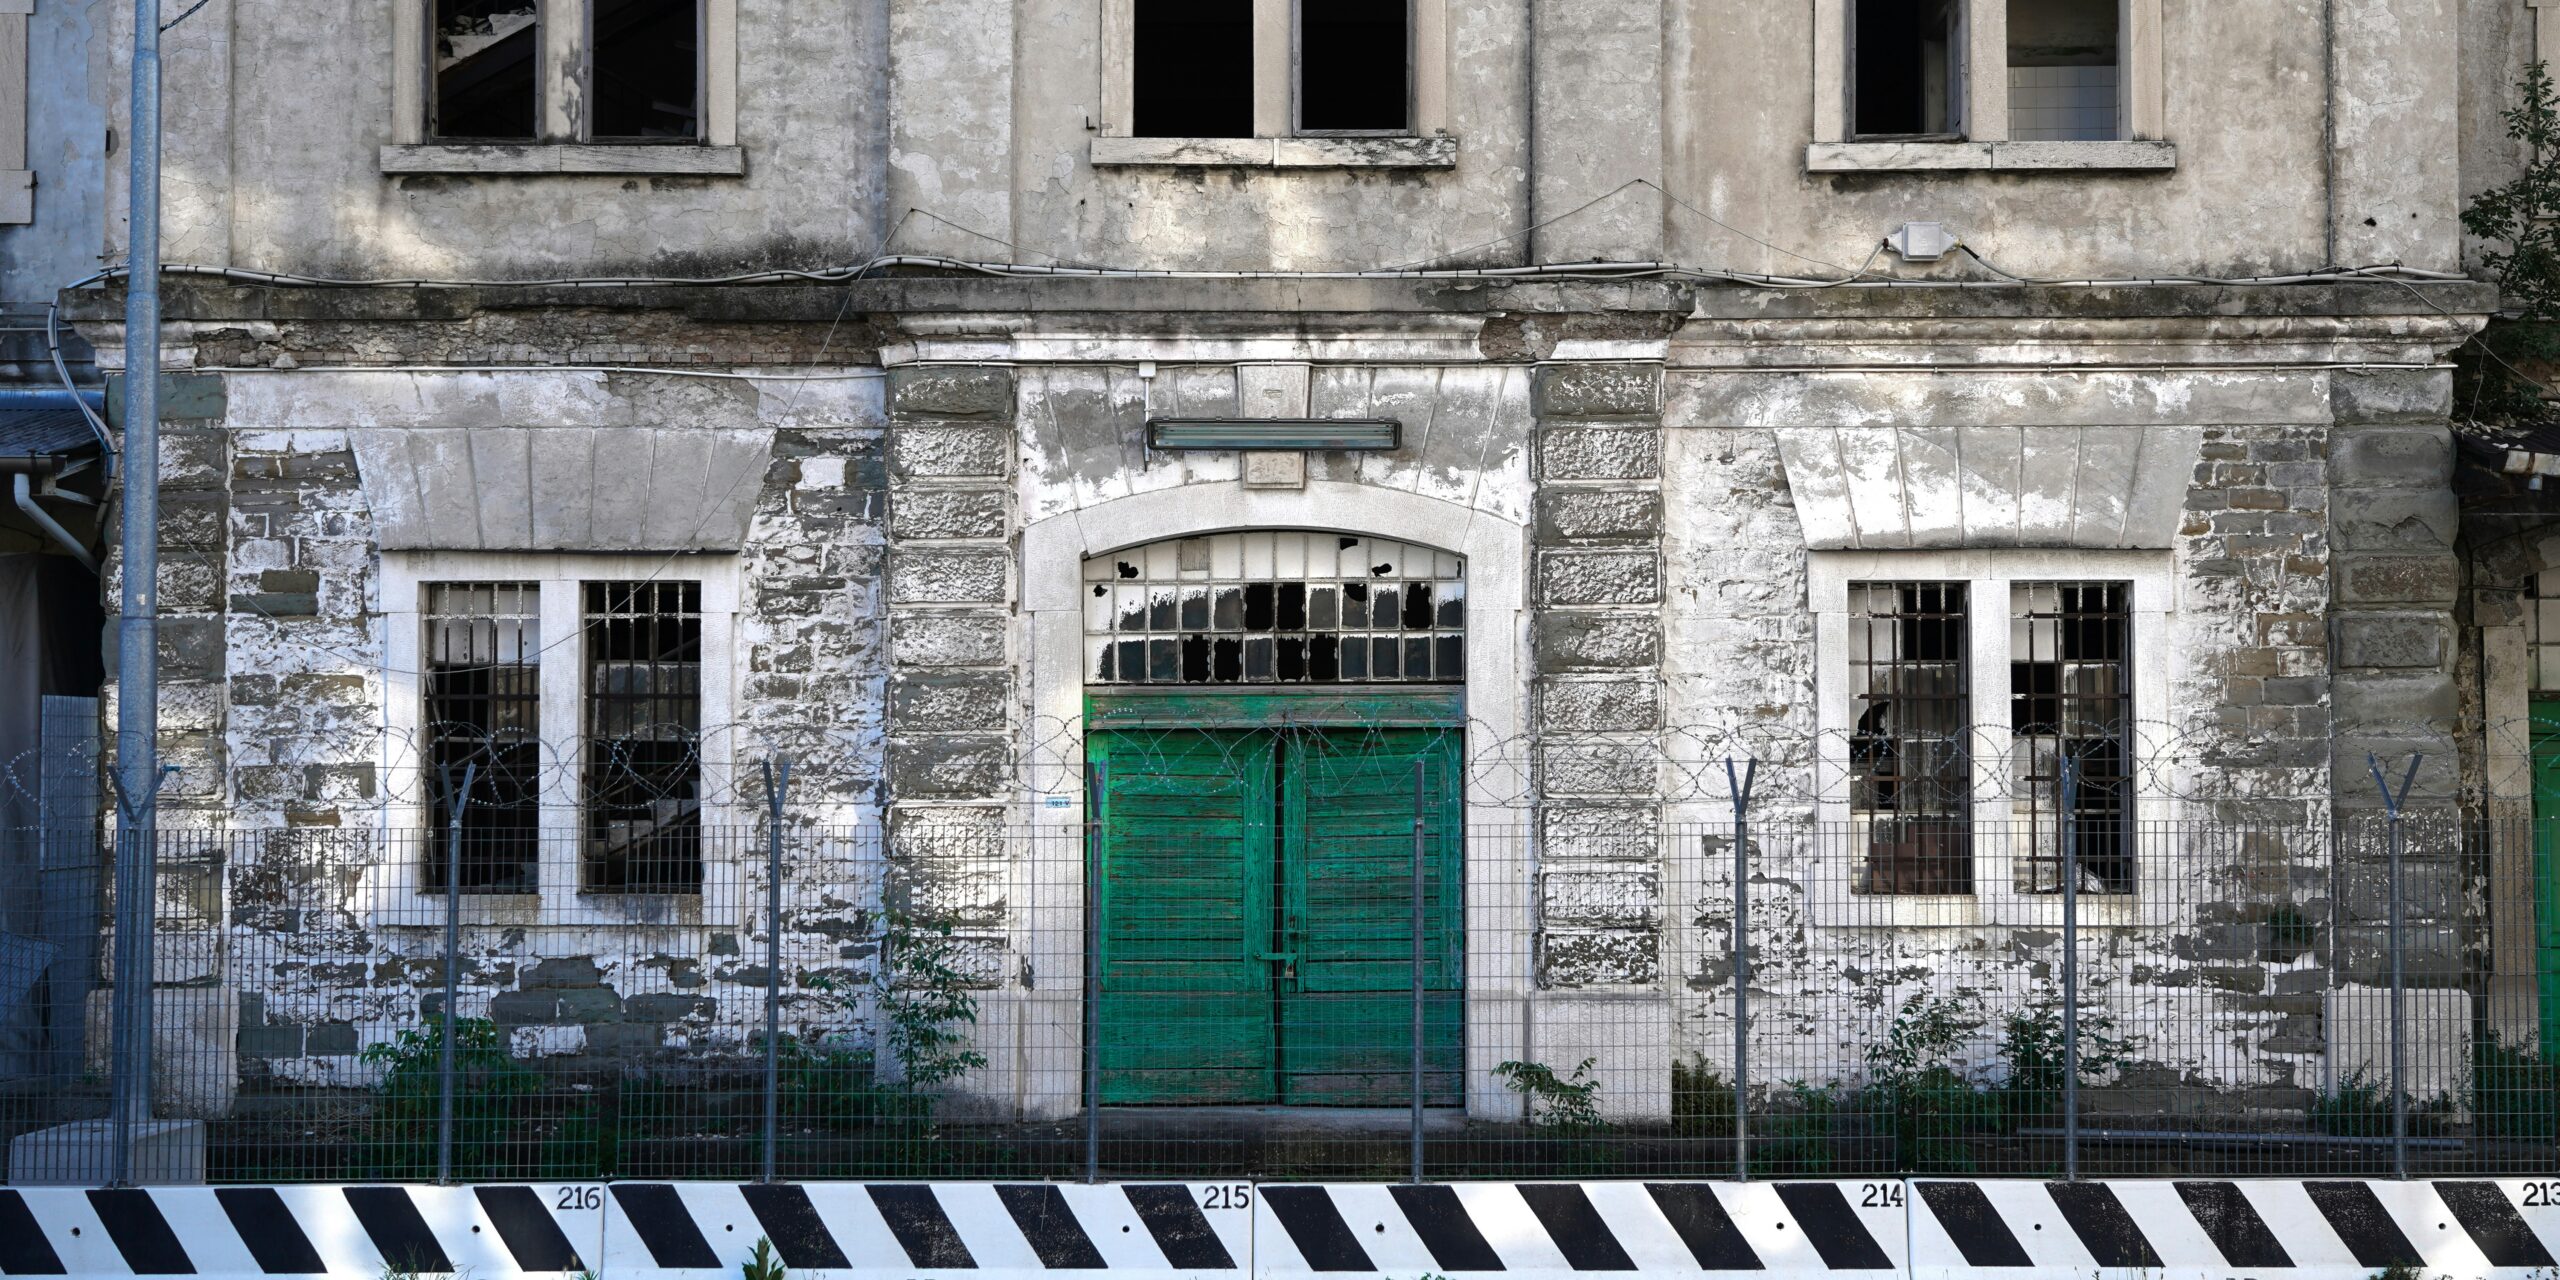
{"x":2399,"y":964}
{"x":1416,"y":964}
{"x":136,"y":921}
{"x":1740,"y":788}
{"x":776,"y":784}
{"x":2070,"y":861}
{"x":1096,"y":780}
{"x":455,"y":803}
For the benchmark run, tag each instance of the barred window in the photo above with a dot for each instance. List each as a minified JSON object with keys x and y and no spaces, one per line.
{"x":1277,"y":607}
{"x":2071,"y":700}
{"x":482,"y":651}
{"x":1910,"y":766}
{"x":642,"y":734}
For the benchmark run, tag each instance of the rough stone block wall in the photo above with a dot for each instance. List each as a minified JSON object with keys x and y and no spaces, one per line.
{"x":2397,"y":578}
{"x":950,"y":591}
{"x":1597,"y":689}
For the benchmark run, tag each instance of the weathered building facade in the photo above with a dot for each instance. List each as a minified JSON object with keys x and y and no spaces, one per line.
{"x":1989,"y":445}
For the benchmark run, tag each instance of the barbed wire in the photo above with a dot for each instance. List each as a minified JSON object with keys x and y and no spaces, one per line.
{"x":358,"y":767}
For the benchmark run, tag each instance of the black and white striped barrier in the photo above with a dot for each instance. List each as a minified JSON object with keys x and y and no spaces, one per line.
{"x":1925,"y":1230}
{"x":373,"y":1232}
{"x":2216,"y":1230}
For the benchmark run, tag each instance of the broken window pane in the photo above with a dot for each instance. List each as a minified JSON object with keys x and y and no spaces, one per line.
{"x":482,"y":652}
{"x":2063,"y":70}
{"x":1911,"y":767}
{"x":643,"y":733}
{"x":1909,"y":60}
{"x":646,"y":70}
{"x":1192,"y":69}
{"x":1353,"y":66}
{"x":2071,"y":703}
{"x":1276,"y":607}
{"x":485,"y":60}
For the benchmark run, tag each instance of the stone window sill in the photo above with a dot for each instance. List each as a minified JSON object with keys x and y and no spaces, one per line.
{"x":1436,"y":152}
{"x":2005,"y":157}
{"x":545,"y":157}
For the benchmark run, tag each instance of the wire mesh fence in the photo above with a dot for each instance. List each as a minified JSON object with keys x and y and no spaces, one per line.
{"x":1331,"y":974}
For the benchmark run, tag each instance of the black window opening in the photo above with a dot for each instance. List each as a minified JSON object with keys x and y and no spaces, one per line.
{"x":1910,"y":761}
{"x":2065,"y":70}
{"x":1907,"y":58}
{"x":1354,"y":67}
{"x":485,"y":60}
{"x":643,"y":729}
{"x":2071,"y":703}
{"x":1192,"y":69}
{"x":645,"y":70}
{"x":1284,"y":607}
{"x":482,"y":653}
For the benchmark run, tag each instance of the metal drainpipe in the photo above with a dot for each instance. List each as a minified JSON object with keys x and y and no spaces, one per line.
{"x":23,"y":489}
{"x":137,"y":630}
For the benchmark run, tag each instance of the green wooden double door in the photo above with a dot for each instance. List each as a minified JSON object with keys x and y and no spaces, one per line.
{"x":2546,"y":860}
{"x":1257,"y":915}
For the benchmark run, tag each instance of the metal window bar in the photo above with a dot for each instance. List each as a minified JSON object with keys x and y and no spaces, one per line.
{"x":1910,"y":765}
{"x":2071,"y":696}
{"x":1284,"y":607}
{"x":643,"y":736}
{"x":483,"y":688}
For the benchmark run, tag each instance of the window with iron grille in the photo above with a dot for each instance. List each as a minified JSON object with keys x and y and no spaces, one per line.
{"x":2071,"y":704}
{"x":482,"y":675}
{"x":643,"y":726}
{"x":1275,"y":607}
{"x":1909,"y":757}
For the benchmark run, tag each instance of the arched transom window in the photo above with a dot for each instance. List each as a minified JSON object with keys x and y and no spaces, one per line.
{"x":1275,"y":607}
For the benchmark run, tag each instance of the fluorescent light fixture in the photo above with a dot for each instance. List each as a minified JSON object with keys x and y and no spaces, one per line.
{"x":1274,"y":433}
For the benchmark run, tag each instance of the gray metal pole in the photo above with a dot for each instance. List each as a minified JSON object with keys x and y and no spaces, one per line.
{"x":1740,"y":788}
{"x":2070,"y":857}
{"x":455,"y":803}
{"x":1415,"y":958}
{"x":2391,"y":807}
{"x":137,"y":628}
{"x":1095,"y":783}
{"x":775,"y":785}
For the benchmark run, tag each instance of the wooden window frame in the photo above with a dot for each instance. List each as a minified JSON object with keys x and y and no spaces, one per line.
{"x":1277,"y":141}
{"x":17,"y":181}
{"x":562,"y":143}
{"x":2141,"y":101}
{"x":560,"y":895}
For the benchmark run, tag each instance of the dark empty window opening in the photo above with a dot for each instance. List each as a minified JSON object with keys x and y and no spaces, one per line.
{"x":1192,"y":67}
{"x":2071,"y":702}
{"x":1908,"y":58}
{"x":1354,"y":67}
{"x":483,"y":676}
{"x":485,"y":63}
{"x":643,"y":737}
{"x":1910,"y":763}
{"x":2064,"y":70}
{"x":645,"y":70}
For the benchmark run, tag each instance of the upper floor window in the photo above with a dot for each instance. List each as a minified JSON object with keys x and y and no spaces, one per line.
{"x":1273,"y":82}
{"x":580,"y":78}
{"x":1988,"y":84}
{"x":639,"y":80}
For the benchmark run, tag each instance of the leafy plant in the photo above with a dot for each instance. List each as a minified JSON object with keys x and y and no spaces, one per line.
{"x":1570,"y":1103}
{"x":1701,"y":1101}
{"x":2031,"y":1044}
{"x":2521,"y":251}
{"x":763,"y":1263}
{"x":499,"y":1125}
{"x":2360,"y":1107}
{"x":2515,"y":1092}
{"x":1915,"y":1085}
{"x":1793,"y":1137}
{"x":927,"y":1004}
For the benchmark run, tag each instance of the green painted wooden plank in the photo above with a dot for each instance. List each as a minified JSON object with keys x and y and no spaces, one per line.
{"x":2546,"y":860}
{"x":1185,"y":999}
{"x":1270,"y":706}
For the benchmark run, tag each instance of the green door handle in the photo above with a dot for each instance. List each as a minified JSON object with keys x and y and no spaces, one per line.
{"x":1278,"y":957}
